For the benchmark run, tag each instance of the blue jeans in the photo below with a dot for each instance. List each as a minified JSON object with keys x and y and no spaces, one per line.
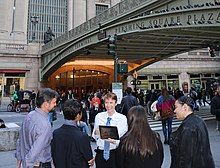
{"x":84,"y":127}
{"x":167,"y":128}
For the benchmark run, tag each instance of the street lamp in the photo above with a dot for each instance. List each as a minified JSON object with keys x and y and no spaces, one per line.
{"x":34,"y":20}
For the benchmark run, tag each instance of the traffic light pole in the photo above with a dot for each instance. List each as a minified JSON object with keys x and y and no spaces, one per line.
{"x":135,"y":84}
{"x":115,"y":67}
{"x":112,"y":51}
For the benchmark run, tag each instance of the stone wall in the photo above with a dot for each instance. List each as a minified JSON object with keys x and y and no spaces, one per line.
{"x":8,"y":138}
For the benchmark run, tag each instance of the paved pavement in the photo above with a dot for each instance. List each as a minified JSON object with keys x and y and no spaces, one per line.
{"x":7,"y":159}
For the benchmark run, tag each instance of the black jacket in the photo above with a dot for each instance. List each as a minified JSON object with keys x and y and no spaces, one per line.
{"x":189,"y":145}
{"x":127,"y":102}
{"x":70,"y":148}
{"x":215,"y":107}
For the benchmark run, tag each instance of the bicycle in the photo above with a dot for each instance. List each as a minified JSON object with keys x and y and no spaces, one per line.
{"x":14,"y":107}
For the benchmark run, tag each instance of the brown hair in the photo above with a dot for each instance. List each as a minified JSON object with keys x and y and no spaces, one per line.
{"x":139,"y":137}
{"x":165,"y":93}
{"x":110,"y":95}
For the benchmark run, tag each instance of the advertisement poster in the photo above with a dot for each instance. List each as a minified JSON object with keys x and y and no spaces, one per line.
{"x":117,"y":89}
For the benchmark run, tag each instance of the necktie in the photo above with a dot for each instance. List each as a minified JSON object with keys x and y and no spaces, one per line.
{"x":106,"y":151}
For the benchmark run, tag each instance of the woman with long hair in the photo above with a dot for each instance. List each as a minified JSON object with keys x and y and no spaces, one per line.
{"x":140,"y":146}
{"x":165,"y":105}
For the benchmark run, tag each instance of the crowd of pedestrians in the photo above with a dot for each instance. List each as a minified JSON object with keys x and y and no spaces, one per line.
{"x":137,"y":146}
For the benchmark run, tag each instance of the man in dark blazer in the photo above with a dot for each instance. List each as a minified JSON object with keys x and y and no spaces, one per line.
{"x":128,"y":101}
{"x":70,"y":147}
{"x":215,"y":106}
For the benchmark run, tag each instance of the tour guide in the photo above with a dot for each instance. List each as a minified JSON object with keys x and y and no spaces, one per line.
{"x":105,"y":153}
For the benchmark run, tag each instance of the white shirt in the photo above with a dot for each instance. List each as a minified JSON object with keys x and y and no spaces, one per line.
{"x":117,"y":119}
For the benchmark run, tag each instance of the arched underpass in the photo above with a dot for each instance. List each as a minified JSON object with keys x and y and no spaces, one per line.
{"x":142,"y":39}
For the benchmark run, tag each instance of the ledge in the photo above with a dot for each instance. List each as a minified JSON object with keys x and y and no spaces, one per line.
{"x":9,"y":136}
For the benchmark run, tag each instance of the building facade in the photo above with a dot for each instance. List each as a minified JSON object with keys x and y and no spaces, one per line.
{"x":22,"y":27}
{"x":43,"y":14}
{"x":196,"y":68}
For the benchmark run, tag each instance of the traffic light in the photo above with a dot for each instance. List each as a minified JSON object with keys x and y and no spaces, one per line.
{"x":122,"y":68}
{"x":112,"y":44}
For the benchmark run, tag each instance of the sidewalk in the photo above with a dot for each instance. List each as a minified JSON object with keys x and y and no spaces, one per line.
{"x":7,"y":159}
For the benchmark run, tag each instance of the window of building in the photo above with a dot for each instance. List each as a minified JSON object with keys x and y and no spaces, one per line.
{"x":100,"y":8}
{"x":157,"y":77}
{"x":217,"y":74}
{"x":207,"y":75}
{"x":49,"y":12}
{"x":142,"y":77}
{"x":172,"y":76}
{"x":194,"y":75}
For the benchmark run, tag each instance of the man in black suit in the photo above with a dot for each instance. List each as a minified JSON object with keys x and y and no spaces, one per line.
{"x":128,"y":101}
{"x":70,"y":147}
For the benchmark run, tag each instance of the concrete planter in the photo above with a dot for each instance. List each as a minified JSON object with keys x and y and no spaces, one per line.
{"x":8,"y":137}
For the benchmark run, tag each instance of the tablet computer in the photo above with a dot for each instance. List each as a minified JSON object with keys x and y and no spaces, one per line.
{"x":108,"y":132}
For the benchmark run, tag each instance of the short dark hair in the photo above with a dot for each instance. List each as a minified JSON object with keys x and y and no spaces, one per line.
{"x":128,"y":90}
{"x":71,"y":108}
{"x":45,"y":95}
{"x":187,"y":100}
{"x":2,"y":123}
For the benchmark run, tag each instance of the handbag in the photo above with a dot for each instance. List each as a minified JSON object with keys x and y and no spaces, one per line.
{"x":157,"y":116}
{"x":155,"y":113}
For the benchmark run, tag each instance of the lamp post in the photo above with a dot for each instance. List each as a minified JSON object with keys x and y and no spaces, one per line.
{"x":34,"y":20}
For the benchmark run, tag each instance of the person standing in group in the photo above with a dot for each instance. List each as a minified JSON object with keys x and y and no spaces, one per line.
{"x":189,"y":144}
{"x":128,"y":101}
{"x":95,"y":108}
{"x":165,"y":105}
{"x":33,"y":146}
{"x":106,"y":149}
{"x":70,"y":147}
{"x":140,"y":146}
{"x":215,"y":106}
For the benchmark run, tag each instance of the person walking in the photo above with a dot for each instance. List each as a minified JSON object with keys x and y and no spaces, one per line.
{"x":106,"y":149}
{"x":70,"y":147}
{"x":215,"y":106}
{"x":33,"y":146}
{"x":140,"y":146}
{"x":165,"y":105}
{"x":128,"y":101}
{"x":189,"y":144}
